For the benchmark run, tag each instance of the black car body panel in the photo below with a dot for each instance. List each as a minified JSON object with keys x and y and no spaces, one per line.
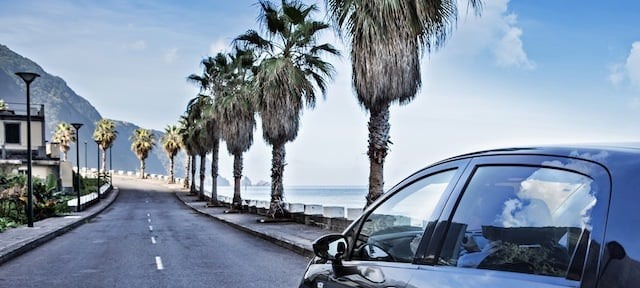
{"x":592,"y":240}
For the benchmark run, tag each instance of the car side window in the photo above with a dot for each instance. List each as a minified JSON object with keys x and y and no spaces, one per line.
{"x":521,"y":219}
{"x":394,"y":229}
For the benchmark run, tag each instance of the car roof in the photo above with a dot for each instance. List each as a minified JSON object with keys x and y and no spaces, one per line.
{"x":584,"y":151}
{"x":612,"y":156}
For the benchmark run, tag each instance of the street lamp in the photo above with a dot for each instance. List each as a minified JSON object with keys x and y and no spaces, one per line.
{"x":110,"y":167}
{"x":85,"y":157}
{"x":98,"y":143}
{"x":28,"y":77}
{"x":77,"y":126}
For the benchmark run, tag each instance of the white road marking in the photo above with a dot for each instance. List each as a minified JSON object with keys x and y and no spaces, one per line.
{"x":150,"y":228}
{"x":149,"y":220}
{"x":159,"y":263}
{"x":148,"y":215}
{"x":153,"y":240}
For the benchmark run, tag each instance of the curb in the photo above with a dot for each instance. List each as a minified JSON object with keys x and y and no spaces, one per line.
{"x":38,"y":241}
{"x":280,"y":242}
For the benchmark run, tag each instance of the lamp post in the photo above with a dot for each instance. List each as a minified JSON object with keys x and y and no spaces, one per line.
{"x":28,"y":77}
{"x":85,"y":157}
{"x":98,"y":143}
{"x":77,"y":126}
{"x":110,"y":167}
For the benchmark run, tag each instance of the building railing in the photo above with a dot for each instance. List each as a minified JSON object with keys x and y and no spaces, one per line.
{"x":21,"y":109}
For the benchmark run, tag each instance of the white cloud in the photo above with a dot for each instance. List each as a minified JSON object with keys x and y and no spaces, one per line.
{"x":633,"y":65}
{"x":137,"y":45}
{"x":629,"y":70}
{"x":170,"y":55}
{"x":509,"y":50}
{"x":496,"y":32}
{"x":218,"y":46}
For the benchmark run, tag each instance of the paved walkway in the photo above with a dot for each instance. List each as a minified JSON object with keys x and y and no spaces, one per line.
{"x":17,"y":241}
{"x":294,"y":236}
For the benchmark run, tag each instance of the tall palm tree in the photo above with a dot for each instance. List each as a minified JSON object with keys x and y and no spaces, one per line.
{"x":142,"y":142}
{"x":65,"y":135}
{"x":236,"y":113}
{"x":185,"y":130}
{"x":290,"y":69}
{"x":171,"y":143}
{"x":211,"y":82}
{"x":202,"y":134}
{"x":105,"y":134}
{"x":386,"y":39}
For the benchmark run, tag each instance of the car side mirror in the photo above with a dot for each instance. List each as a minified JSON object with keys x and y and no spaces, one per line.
{"x":330,"y":247}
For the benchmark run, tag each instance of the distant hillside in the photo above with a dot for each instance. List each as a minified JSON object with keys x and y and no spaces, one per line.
{"x":63,"y":104}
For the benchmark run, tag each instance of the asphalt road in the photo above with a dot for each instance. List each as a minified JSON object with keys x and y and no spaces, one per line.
{"x":150,"y":239}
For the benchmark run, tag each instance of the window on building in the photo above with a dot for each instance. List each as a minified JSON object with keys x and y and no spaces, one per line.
{"x":12,"y":133}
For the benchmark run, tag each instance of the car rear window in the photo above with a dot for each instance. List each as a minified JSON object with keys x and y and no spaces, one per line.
{"x":521,"y":219}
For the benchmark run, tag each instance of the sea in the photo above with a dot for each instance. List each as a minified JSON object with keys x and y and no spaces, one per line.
{"x":343,"y":196}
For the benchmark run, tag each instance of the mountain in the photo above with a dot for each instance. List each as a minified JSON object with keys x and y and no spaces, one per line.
{"x":61,"y":103}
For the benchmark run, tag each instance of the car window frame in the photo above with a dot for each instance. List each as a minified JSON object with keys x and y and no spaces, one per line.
{"x":594,"y":170}
{"x":460,"y":165}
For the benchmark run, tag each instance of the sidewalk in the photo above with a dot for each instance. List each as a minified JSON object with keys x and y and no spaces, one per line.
{"x":293,"y":236}
{"x":17,"y":241}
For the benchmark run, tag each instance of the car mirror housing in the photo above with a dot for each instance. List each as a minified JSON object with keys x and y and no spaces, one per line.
{"x":330,"y":247}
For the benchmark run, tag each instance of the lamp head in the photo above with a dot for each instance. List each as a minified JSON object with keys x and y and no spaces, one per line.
{"x":27,"y":77}
{"x":76,"y":125}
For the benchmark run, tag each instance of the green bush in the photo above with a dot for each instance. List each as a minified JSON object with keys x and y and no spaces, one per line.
{"x":6,"y":223}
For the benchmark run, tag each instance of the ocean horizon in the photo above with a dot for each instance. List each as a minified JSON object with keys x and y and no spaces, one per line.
{"x":347,"y":196}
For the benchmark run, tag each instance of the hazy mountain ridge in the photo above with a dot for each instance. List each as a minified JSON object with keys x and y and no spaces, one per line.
{"x":63,"y":104}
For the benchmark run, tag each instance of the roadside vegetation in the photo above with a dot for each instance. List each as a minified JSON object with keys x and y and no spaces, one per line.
{"x":48,"y":201}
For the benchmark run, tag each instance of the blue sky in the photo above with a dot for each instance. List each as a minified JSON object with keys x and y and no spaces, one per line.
{"x":526,"y":72}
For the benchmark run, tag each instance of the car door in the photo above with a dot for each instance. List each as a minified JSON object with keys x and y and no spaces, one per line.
{"x":519,"y":221}
{"x":383,"y":241}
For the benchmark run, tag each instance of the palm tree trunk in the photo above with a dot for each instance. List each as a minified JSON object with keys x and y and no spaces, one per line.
{"x":187,"y":167}
{"x":378,"y":145}
{"x":171,"y":176}
{"x":142,"y":169}
{"x":203,"y":159}
{"x":237,"y":176}
{"x":214,"y":174}
{"x":277,"y":170}
{"x":193,"y":175}
{"x":104,"y":159}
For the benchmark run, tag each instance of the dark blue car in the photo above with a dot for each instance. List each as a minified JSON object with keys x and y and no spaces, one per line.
{"x":524,"y":217}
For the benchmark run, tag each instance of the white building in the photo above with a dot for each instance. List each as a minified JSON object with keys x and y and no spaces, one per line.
{"x":13,"y":142}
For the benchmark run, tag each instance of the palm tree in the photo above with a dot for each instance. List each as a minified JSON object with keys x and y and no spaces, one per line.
{"x":211,"y":82}
{"x":202,"y":134}
{"x":142,"y":142}
{"x":105,"y":135}
{"x":386,"y":39}
{"x":290,"y":69}
{"x":185,"y":130}
{"x":171,"y":143}
{"x":65,"y":135}
{"x":236,"y":114}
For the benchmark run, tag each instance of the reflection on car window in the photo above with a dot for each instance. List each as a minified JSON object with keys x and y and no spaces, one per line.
{"x":393,"y":230}
{"x":520,"y":219}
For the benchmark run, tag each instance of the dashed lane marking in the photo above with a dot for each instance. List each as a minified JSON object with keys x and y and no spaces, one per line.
{"x":159,"y":263}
